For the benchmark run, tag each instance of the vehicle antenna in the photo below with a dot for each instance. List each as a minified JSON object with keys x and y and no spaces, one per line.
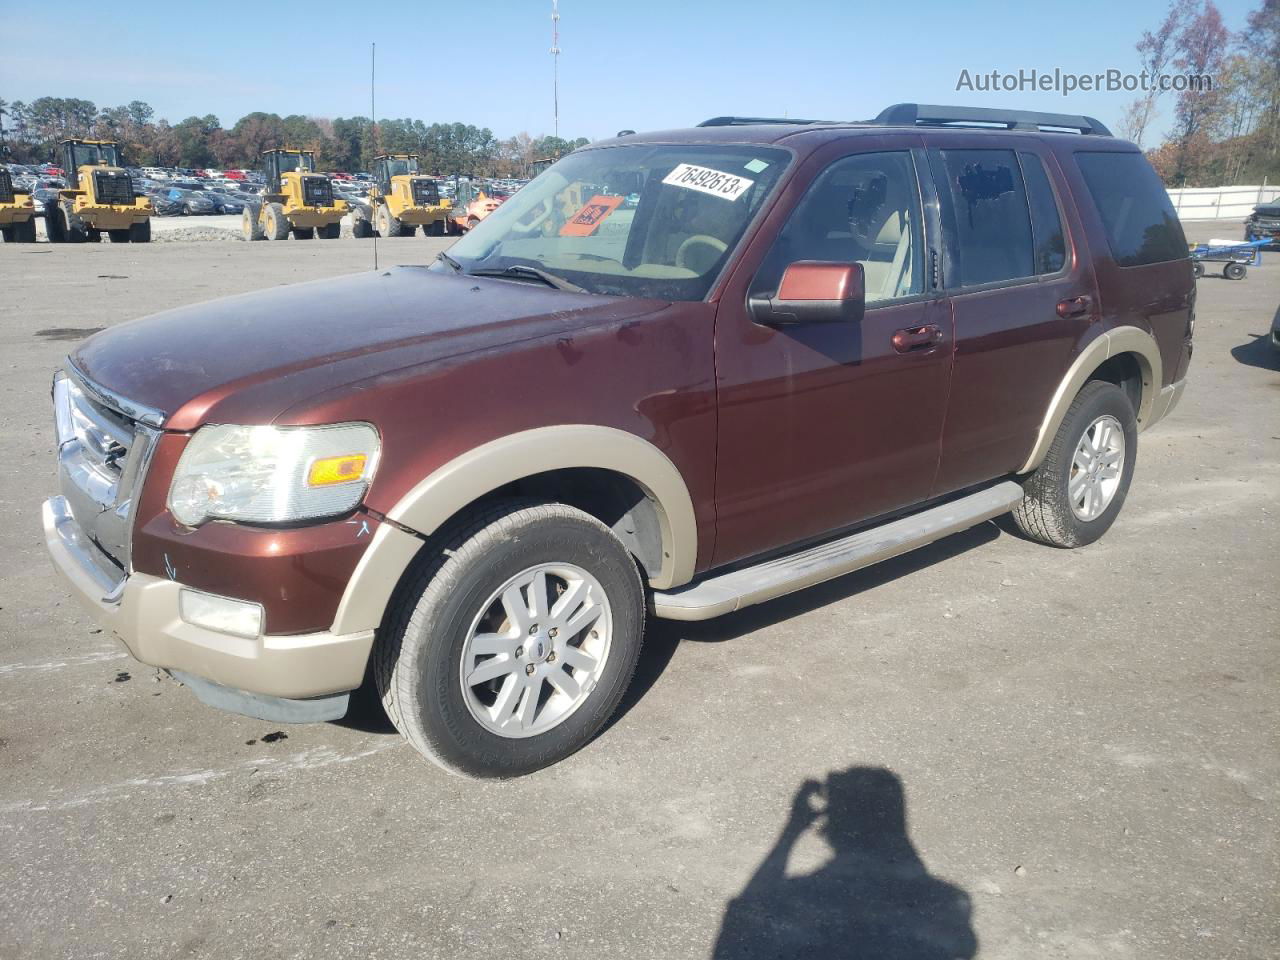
{"x":555,"y":65}
{"x":373,"y":125}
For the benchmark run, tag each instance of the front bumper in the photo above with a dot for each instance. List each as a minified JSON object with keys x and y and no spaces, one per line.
{"x":143,"y":611}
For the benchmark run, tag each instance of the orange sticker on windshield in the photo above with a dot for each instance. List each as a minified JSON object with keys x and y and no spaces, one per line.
{"x":594,"y":213}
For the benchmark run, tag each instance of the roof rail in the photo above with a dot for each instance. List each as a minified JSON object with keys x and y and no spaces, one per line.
{"x":928,"y":114}
{"x":747,"y":121}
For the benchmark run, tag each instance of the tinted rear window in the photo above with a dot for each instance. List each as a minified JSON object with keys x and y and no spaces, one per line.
{"x":990,"y":220}
{"x":1136,"y":213}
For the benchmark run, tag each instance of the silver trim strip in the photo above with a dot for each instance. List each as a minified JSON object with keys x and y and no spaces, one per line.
{"x":727,"y":592}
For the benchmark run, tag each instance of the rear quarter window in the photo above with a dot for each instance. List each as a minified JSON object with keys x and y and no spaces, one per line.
{"x":1139,"y":220}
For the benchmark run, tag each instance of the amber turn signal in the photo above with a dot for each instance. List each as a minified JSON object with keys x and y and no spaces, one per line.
{"x":332,"y":470}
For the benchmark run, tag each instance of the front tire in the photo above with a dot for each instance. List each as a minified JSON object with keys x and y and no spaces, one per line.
{"x":250,"y":226}
{"x":513,"y":644}
{"x":1075,"y":495}
{"x":277,"y":223}
{"x":386,"y":224}
{"x":140,"y":232}
{"x":1234,"y":271}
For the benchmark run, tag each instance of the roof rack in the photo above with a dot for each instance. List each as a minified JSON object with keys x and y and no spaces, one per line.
{"x":928,"y":114}
{"x":748,"y":121}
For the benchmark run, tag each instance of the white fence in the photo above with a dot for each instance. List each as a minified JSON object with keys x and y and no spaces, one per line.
{"x":1220,"y":203}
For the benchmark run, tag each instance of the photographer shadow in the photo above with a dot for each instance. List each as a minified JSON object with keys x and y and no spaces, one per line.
{"x":873,"y":900}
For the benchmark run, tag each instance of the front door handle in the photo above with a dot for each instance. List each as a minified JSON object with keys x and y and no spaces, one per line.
{"x":917,"y":338}
{"x":1074,"y":307}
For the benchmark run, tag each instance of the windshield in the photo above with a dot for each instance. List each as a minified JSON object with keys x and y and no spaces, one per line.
{"x":650,"y":220}
{"x":94,"y":154}
{"x":399,"y":166}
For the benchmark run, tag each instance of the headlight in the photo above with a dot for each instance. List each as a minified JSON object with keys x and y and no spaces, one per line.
{"x":273,"y":474}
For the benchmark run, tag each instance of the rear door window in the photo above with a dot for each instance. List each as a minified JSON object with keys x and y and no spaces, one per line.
{"x":1046,"y":221}
{"x":986,"y":215}
{"x":1139,"y":220}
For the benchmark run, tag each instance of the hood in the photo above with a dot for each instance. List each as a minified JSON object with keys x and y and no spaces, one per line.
{"x":248,"y":358}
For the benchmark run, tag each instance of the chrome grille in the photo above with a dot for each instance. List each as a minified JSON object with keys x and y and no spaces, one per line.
{"x":103,"y":454}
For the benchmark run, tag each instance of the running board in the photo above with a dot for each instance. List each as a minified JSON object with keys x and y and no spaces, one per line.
{"x":727,"y":592}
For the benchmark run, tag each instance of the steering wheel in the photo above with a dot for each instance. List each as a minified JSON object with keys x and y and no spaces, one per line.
{"x":698,"y":239}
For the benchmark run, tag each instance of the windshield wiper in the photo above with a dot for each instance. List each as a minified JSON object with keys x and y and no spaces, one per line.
{"x":457,"y":267}
{"x":519,"y":271}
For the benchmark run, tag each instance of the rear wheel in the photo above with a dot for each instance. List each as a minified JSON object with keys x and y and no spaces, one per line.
{"x":513,"y":645}
{"x":277,"y":223}
{"x":250,"y":226}
{"x":331,"y":231}
{"x":1197,"y":269}
{"x":386,"y":224}
{"x":304,"y":233}
{"x":140,"y":232}
{"x":1075,"y":495}
{"x":92,"y":236}
{"x":361,"y":228}
{"x":53,"y":224}
{"x":25,"y":232}
{"x":1234,"y":271}
{"x":8,"y":233}
{"x":119,"y":236}
{"x":73,"y":228}
{"x":434,"y":229}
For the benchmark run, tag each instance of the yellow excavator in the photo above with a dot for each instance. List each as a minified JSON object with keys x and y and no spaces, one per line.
{"x":99,"y":197}
{"x":297,"y":200}
{"x":17,"y":212}
{"x":401,"y":200}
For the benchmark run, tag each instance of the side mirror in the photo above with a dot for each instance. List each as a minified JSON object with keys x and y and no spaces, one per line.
{"x":814,"y":292}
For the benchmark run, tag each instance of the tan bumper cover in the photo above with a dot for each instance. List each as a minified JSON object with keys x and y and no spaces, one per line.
{"x":143,"y":611}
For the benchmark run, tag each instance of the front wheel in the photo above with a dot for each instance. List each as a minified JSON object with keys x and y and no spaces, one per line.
{"x":1234,"y":271}
{"x":514,"y":642}
{"x":1074,"y":496}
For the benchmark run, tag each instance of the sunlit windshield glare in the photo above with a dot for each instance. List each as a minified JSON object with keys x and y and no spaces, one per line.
{"x":644,"y":220}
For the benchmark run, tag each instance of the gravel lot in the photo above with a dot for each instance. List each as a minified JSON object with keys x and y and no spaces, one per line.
{"x":1018,"y":752}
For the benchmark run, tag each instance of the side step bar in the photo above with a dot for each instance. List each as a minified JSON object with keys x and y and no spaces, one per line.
{"x":727,"y":592}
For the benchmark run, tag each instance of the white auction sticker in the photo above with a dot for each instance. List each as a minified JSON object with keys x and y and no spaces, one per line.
{"x":706,"y":180}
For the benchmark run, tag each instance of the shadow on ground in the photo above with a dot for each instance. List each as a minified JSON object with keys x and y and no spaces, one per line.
{"x":1258,"y":352}
{"x":874,"y":899}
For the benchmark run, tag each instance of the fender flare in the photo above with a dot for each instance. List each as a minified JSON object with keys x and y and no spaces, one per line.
{"x":460,"y":482}
{"x":1109,"y":344}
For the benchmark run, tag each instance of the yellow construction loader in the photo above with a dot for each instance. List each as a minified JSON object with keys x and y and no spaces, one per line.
{"x":297,"y":200}
{"x":401,"y":200}
{"x":98,"y":198}
{"x":17,"y":213}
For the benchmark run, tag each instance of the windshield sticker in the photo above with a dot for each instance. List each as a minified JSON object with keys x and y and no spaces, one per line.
{"x":594,"y":212}
{"x":706,"y":180}
{"x":755,"y":166}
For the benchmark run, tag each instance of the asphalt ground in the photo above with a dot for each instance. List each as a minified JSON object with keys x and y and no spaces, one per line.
{"x":985,"y":748}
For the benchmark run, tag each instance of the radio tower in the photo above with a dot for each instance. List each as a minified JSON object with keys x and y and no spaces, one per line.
{"x":555,"y":64}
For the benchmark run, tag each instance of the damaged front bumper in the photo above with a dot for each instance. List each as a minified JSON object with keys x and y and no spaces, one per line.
{"x":286,"y":678}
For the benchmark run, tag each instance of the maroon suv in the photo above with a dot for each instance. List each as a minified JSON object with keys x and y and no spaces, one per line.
{"x":678,"y":373}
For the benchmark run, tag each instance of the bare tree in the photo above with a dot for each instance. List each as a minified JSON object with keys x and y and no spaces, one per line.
{"x":1156,"y":51}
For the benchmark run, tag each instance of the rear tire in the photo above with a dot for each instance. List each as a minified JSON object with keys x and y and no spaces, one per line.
{"x":53,"y":224}
{"x":250,"y":226}
{"x":1197,"y":269}
{"x":571,"y":657}
{"x":119,"y":236}
{"x":25,"y":232}
{"x":73,"y":228}
{"x":331,"y":231}
{"x":8,"y":234}
{"x":361,"y":228}
{"x":385,"y":223}
{"x":304,"y":233}
{"x":277,"y":227}
{"x":434,"y":229}
{"x":140,"y":232}
{"x":1234,"y":271}
{"x":1074,"y":496}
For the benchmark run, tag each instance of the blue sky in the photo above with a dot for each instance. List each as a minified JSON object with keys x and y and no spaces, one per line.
{"x":643,"y":64}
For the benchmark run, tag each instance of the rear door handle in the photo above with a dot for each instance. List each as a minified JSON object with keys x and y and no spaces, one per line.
{"x":1074,"y":306}
{"x":917,"y":338}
